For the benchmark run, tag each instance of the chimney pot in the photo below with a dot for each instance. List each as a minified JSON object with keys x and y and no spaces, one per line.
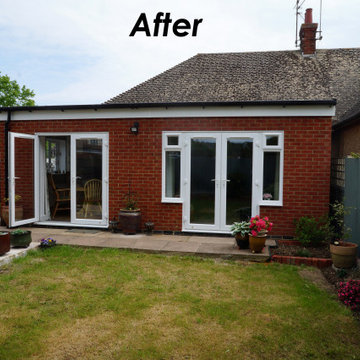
{"x":308,"y":16}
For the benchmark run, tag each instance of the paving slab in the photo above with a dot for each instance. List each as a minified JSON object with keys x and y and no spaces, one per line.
{"x":211,"y":240}
{"x":181,"y":247}
{"x":149,"y":244}
{"x":17,"y":252}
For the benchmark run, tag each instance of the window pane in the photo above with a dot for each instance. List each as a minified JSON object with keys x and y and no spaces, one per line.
{"x":271,"y":176}
{"x":173,"y":140}
{"x":89,"y":178}
{"x":202,"y":200}
{"x":24,"y":178}
{"x":172,"y":174}
{"x":272,"y":140}
{"x":239,"y":180}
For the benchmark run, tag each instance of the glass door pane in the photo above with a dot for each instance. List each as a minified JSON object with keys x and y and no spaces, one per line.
{"x":89,"y":178}
{"x":238,"y":179}
{"x":202,"y":187}
{"x":22,"y":180}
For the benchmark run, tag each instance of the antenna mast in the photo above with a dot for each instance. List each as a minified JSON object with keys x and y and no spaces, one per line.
{"x":298,"y":6}
{"x":320,"y":32}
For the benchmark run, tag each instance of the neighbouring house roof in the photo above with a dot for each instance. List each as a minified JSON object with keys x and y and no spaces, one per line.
{"x":256,"y":77}
{"x":350,"y":116}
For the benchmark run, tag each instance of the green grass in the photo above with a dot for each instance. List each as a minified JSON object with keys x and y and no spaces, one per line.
{"x":73,"y":303}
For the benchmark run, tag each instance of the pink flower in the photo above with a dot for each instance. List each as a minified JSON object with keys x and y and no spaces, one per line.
{"x":253,"y":233}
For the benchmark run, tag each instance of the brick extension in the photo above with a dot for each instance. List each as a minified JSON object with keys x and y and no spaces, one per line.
{"x":307,"y":144}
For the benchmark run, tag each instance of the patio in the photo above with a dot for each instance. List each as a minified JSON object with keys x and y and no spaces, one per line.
{"x":207,"y":246}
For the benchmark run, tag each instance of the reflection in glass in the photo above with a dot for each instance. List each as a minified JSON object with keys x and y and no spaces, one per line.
{"x":239,"y":176}
{"x":24,"y":178}
{"x":89,"y":178}
{"x":173,"y":140}
{"x":272,"y":140}
{"x":172,"y":174}
{"x":202,"y":199}
{"x":271,"y":176}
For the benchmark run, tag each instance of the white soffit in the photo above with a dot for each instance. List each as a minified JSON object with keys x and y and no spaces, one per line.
{"x":175,"y":112}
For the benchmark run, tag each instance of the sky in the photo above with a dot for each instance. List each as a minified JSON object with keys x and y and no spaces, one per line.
{"x":80,"y":52}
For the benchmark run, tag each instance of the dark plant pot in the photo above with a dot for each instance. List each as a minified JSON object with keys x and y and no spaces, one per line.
{"x":256,"y":243}
{"x":242,"y":241}
{"x":19,"y":212}
{"x":130,"y":221}
{"x":344,"y":256}
{"x":4,"y":242}
{"x":21,"y":240}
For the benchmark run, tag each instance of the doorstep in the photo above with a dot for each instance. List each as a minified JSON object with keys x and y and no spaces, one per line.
{"x":205,"y":246}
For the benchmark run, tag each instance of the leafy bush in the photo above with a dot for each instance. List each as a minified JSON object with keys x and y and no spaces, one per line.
{"x":349,"y":294}
{"x":310,"y":231}
{"x":303,"y":253}
{"x":339,"y":231}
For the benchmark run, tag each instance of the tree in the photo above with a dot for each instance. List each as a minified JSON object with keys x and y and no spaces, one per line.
{"x":12,"y":95}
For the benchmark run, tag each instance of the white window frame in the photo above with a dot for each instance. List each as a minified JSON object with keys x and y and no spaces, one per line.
{"x":257,"y":171}
{"x":166,"y":148}
{"x":278,"y":149}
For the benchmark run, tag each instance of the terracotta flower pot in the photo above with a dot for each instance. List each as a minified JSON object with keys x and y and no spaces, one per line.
{"x":344,"y":255}
{"x":257,"y":243}
{"x":4,"y":242}
{"x":242,"y":241}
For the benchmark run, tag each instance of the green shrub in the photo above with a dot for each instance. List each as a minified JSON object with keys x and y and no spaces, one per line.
{"x":303,"y":253}
{"x":310,"y":231}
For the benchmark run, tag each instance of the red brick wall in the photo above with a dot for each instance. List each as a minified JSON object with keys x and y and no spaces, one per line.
{"x":307,"y":150}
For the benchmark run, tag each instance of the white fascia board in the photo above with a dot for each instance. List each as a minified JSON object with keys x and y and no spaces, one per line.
{"x":176,"y":112}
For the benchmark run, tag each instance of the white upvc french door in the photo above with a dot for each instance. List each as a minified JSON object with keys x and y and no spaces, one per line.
{"x":23,"y":178}
{"x":89,"y":176}
{"x":221,"y":180}
{"x":27,"y":179}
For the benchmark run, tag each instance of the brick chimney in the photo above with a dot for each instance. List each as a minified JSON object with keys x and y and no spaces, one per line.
{"x":308,"y":35}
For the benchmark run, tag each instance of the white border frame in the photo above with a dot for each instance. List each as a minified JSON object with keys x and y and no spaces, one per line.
{"x":105,"y":178}
{"x":165,"y":148}
{"x":273,"y":148}
{"x":104,"y":222}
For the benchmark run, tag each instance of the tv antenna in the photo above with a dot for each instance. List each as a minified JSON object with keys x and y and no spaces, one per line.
{"x":298,"y":6}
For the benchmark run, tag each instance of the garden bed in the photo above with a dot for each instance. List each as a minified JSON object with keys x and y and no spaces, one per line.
{"x":293,"y":253}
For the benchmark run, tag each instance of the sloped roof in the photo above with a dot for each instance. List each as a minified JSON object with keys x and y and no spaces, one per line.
{"x":255,"y":76}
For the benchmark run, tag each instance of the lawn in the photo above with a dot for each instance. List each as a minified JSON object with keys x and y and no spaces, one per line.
{"x":73,"y":303}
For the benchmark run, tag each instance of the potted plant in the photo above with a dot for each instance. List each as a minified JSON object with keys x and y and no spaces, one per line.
{"x":5,"y":210}
{"x":241,"y":232}
{"x":343,"y":253}
{"x":130,"y":215}
{"x":47,"y":243}
{"x":259,"y":227}
{"x":4,"y":242}
{"x":20,"y":238}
